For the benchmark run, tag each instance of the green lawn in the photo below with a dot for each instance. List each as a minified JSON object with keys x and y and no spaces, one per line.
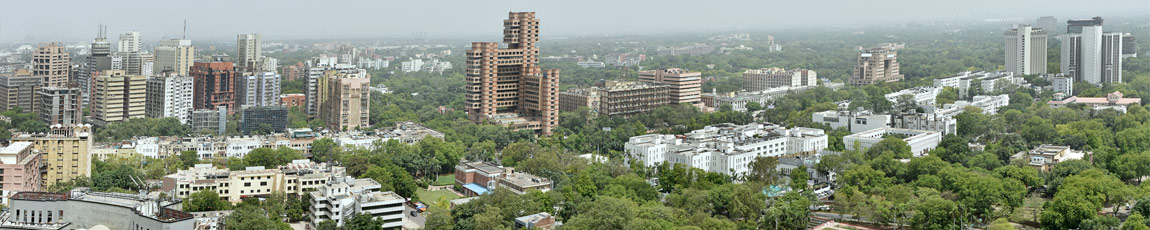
{"x":432,"y":197}
{"x":446,"y":179}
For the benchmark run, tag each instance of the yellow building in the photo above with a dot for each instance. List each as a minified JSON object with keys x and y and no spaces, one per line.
{"x":117,"y":96}
{"x":65,"y":152}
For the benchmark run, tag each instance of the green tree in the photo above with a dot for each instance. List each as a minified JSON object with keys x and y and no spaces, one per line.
{"x":935,"y":213}
{"x":763,"y":170}
{"x":438,"y":219}
{"x":323,"y":149}
{"x":799,"y":178}
{"x":865,"y":179}
{"x":891,"y":144}
{"x":189,"y":158}
{"x":753,"y":106}
{"x":205,"y":200}
{"x":248,"y":216}
{"x":1135,"y":222}
{"x":948,"y":95}
{"x":491,"y":218}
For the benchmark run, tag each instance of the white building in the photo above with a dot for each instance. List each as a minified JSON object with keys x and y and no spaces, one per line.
{"x":988,"y":81}
{"x":342,"y":198}
{"x":148,"y":146}
{"x":1092,"y":55}
{"x":591,"y":64}
{"x":129,"y":42}
{"x":240,"y":146}
{"x":854,"y":121}
{"x":317,"y":71}
{"x":988,"y":104}
{"x":1064,"y":85}
{"x":923,"y":96}
{"x":175,"y":55}
{"x":938,"y":122}
{"x":920,"y":141}
{"x":169,"y":96}
{"x":414,"y":65}
{"x":260,"y":89}
{"x":723,"y":148}
{"x":1026,"y":50}
{"x":738,"y":101}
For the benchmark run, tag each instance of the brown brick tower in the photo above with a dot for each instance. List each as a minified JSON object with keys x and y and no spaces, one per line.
{"x":506,"y":86}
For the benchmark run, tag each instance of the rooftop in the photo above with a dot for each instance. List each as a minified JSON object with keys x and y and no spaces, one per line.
{"x":15,"y":148}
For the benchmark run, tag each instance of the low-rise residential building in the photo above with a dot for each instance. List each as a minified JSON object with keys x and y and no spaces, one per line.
{"x":722,"y":148}
{"x":1044,"y":157}
{"x":738,"y":101}
{"x":1062,"y":84}
{"x":856,"y":121}
{"x":540,"y":221}
{"x":920,"y":141}
{"x":616,"y":98}
{"x":341,"y":198}
{"x":19,"y":169}
{"x":1112,"y":99}
{"x":82,"y":208}
{"x":296,"y":178}
{"x":987,"y":81}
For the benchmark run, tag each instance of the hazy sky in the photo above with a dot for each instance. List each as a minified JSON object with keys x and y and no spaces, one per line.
{"x":44,"y":20}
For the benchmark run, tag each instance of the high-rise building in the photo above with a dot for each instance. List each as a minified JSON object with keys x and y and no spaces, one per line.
{"x":130,"y":42}
{"x":118,"y":96}
{"x":259,"y":89}
{"x":772,"y":46}
{"x":248,"y":52}
{"x":291,"y":72}
{"x":175,"y":55}
{"x":879,"y":64}
{"x":347,"y":103}
{"x":254,"y":118}
{"x":1091,"y":55}
{"x":685,"y":86}
{"x":19,"y":89}
{"x":766,"y":78}
{"x":215,"y":85}
{"x":317,"y":74}
{"x":1047,"y":23}
{"x":170,"y":95}
{"x":61,"y":105}
{"x":210,"y":120}
{"x":137,"y":63}
{"x":64,"y":151}
{"x":1026,"y":50}
{"x":99,"y":59}
{"x":1129,"y":46}
{"x":506,"y":85}
{"x":52,"y":63}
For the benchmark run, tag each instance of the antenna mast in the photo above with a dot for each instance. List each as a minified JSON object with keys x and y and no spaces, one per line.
{"x":185,"y":29}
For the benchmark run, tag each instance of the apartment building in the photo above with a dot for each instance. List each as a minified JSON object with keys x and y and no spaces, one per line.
{"x":347,"y":103}
{"x":616,"y":98}
{"x":248,"y":52}
{"x":258,"y":89}
{"x":170,"y":95}
{"x":767,"y":78}
{"x":64,"y":151}
{"x":879,"y":64}
{"x":52,"y":63}
{"x":297,"y":178}
{"x":1089,"y":54}
{"x":683,"y":86}
{"x":506,"y":86}
{"x":19,"y":170}
{"x":341,"y":198}
{"x":118,"y":96}
{"x":1026,"y":50}
{"x":214,"y":86}
{"x":318,"y":72}
{"x":175,"y":56}
{"x":723,"y":148}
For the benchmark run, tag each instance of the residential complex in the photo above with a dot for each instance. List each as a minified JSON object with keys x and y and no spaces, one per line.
{"x":64,"y":151}
{"x":723,"y":148}
{"x":296,"y":178}
{"x":52,"y":63}
{"x":20,"y":166}
{"x":920,"y":141}
{"x":214,"y":86}
{"x":82,"y":208}
{"x":684,"y":86}
{"x":170,"y":95}
{"x":318,"y":73}
{"x":766,"y":78}
{"x":248,"y":52}
{"x":1026,"y":50}
{"x":118,"y":96}
{"x":343,"y":197}
{"x":876,"y":65}
{"x":506,"y":86}
{"x":347,"y":103}
{"x":258,"y":89}
{"x":616,"y":98}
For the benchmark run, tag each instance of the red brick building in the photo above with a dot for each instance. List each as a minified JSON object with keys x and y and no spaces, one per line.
{"x":293,"y":100}
{"x":215,"y":85}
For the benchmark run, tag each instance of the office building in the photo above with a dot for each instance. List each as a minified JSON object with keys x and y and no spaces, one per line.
{"x":82,"y":208}
{"x":1026,"y":50}
{"x":1129,"y":46}
{"x":1045,"y":157}
{"x":876,"y":65}
{"x":215,"y":85}
{"x":513,"y":91}
{"x":855,"y":121}
{"x":19,"y":170}
{"x":920,"y":141}
{"x":341,"y":198}
{"x":318,"y":73}
{"x":118,"y":96}
{"x":259,"y":89}
{"x":19,"y":89}
{"x":988,"y":82}
{"x":616,"y":98}
{"x":1091,"y":55}
{"x":684,"y":86}
{"x":296,"y":178}
{"x":738,"y":100}
{"x":255,"y":118}
{"x":60,"y":105}
{"x":51,"y":62}
{"x":625,"y":59}
{"x":175,"y":55}
{"x":478,"y":178}
{"x":723,"y":148}
{"x":766,"y":78}
{"x":169,"y":95}
{"x":99,"y":59}
{"x":130,"y":42}
{"x":1047,"y":23}
{"x":347,"y":103}
{"x":64,"y":150}
{"x":210,"y":120}
{"x":248,"y":55}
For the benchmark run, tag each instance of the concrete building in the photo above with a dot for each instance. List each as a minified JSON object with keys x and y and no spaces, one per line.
{"x":118,"y":96}
{"x":414,"y":65}
{"x":540,"y":221}
{"x":513,"y":91}
{"x":19,"y":89}
{"x":875,"y":65}
{"x":684,"y":86}
{"x":258,"y":89}
{"x":1129,"y":46}
{"x":1063,"y":84}
{"x":293,"y":100}
{"x":772,"y":46}
{"x":1112,"y":99}
{"x":920,"y":141}
{"x":248,"y":52}
{"x":64,"y":150}
{"x":723,"y":148}
{"x":988,"y":104}
{"x":215,"y":85}
{"x":130,"y":42}
{"x":291,"y":72}
{"x":1047,"y":23}
{"x":211,"y":120}
{"x":1091,"y":55}
{"x":857,"y":121}
{"x":924,"y":97}
{"x":478,"y":178}
{"x":297,"y":178}
{"x":170,"y":95}
{"x":766,"y":78}
{"x":1026,"y":50}
{"x":347,"y":103}
{"x":175,"y":55}
{"x":82,"y":208}
{"x":60,"y":105}
{"x":625,"y":59}
{"x":938,"y":122}
{"x":616,"y":98}
{"x":254,"y":117}
{"x":318,"y":72}
{"x":591,"y":64}
{"x":19,"y":170}
{"x":738,"y":101}
{"x":408,"y":132}
{"x":341,"y":198}
{"x":99,"y":59}
{"x":51,"y":62}
{"x":1044,"y":157}
{"x":697,"y":49}
{"x":986,"y":81}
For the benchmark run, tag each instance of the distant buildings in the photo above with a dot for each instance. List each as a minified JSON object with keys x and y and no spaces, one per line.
{"x":920,"y":141}
{"x":1026,"y":50}
{"x":1047,"y":23}
{"x":625,"y":59}
{"x":133,"y":60}
{"x":52,"y":63}
{"x":772,"y":46}
{"x":249,"y":57}
{"x":170,"y":95}
{"x":723,"y":148}
{"x":684,"y":86}
{"x":215,"y":85}
{"x":118,"y":96}
{"x":1112,"y":99}
{"x":987,"y":82}
{"x":65,"y":152}
{"x":258,"y":89}
{"x":738,"y":101}
{"x":82,"y":208}
{"x":616,"y":98}
{"x":1091,"y":55}
{"x":765,"y":78}
{"x":697,"y":49}
{"x":591,"y":64}
{"x":1129,"y":46}
{"x":343,"y":197}
{"x":478,"y":178}
{"x":875,"y":65}
{"x":1045,"y":157}
{"x":514,"y":91}
{"x":20,"y":166}
{"x":296,"y":178}
{"x":174,"y":55}
{"x":253,"y":118}
{"x":855,"y":121}
{"x":414,"y":65}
